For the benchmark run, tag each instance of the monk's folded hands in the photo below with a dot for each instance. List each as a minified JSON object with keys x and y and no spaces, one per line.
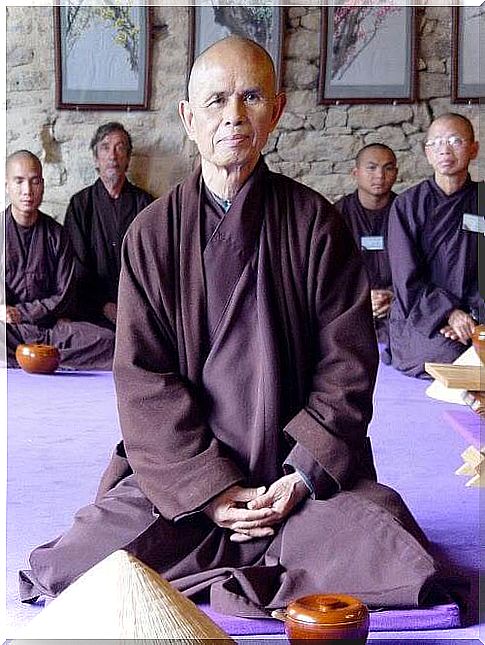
{"x":230,"y":510}
{"x":462,"y":324}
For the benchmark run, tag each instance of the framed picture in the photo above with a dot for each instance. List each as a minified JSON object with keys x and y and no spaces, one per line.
{"x":467,"y":70}
{"x":102,"y":57}
{"x":368,"y":55}
{"x":264,"y":24}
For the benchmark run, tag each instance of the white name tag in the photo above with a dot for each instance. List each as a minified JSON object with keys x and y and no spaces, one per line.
{"x":372,"y":243}
{"x":473,"y":223}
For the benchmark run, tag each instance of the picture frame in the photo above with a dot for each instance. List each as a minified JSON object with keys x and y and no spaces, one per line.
{"x":467,"y":71}
{"x":264,"y":24}
{"x":368,"y":54}
{"x":102,"y":57}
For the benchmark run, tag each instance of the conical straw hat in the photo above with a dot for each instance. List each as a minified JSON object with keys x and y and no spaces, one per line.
{"x":122,"y":598}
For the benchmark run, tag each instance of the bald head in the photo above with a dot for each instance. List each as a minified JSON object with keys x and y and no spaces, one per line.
{"x":23,"y":155}
{"x":25,"y":186}
{"x":227,"y":49}
{"x":453,"y":117}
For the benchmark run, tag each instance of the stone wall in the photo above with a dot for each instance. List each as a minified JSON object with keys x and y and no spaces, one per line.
{"x":316,"y":144}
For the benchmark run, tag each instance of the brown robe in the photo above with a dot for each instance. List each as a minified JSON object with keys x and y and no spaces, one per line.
{"x":235,"y":363}
{"x":39,"y":281}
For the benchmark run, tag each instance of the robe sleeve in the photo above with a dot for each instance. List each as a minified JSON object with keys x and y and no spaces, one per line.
{"x":425,"y":305}
{"x":55,"y":305}
{"x":330,"y":431}
{"x":176,"y":460}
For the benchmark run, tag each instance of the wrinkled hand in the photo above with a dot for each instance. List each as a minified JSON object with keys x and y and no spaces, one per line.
{"x":12,"y":315}
{"x":381,"y":302}
{"x":110,"y":309}
{"x":230,"y":510}
{"x":460,"y":326}
{"x":280,"y":499}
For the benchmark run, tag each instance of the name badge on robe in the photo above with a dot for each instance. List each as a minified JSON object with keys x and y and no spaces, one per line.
{"x":372,"y":242}
{"x":473,"y":223}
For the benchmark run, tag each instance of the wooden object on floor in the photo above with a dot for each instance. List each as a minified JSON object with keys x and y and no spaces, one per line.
{"x":476,"y":401}
{"x":122,"y":598}
{"x":38,"y":358}
{"x":468,"y":377}
{"x":474,"y":466}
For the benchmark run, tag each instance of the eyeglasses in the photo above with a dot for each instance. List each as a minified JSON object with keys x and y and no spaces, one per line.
{"x":454,"y":141}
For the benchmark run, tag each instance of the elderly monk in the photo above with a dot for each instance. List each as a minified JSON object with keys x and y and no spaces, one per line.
{"x":244,"y":390}
{"x":366,"y":212}
{"x":97,"y":219}
{"x":435,"y":229}
{"x":39,"y":274}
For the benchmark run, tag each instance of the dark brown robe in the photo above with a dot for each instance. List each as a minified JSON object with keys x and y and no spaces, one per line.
{"x":235,"y":363}
{"x":365,"y":223}
{"x":434,"y":264}
{"x":96,"y":224}
{"x":39,"y":281}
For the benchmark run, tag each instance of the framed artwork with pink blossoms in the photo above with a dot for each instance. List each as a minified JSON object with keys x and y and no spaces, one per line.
{"x":368,"y":54}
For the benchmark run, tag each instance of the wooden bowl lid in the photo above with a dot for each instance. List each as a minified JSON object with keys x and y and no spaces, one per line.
{"x":327,"y":609}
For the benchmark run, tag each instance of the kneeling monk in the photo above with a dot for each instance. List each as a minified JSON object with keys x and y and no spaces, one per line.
{"x":244,"y":392}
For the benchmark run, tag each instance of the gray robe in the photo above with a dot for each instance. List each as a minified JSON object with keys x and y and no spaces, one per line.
{"x":235,"y":363}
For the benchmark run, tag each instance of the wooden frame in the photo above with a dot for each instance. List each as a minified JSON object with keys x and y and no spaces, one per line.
{"x":467,"y":71}
{"x":354,"y":40}
{"x":102,"y":57}
{"x":210,"y":23}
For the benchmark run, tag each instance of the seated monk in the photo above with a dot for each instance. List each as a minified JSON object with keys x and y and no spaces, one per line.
{"x":435,"y":229}
{"x":366,"y":212}
{"x":244,"y":391}
{"x":39,"y":277}
{"x":96,"y":221}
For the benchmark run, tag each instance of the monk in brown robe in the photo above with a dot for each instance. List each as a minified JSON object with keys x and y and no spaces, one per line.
{"x":244,"y":368}
{"x":366,"y":212}
{"x":39,"y":277}
{"x":97,"y":219}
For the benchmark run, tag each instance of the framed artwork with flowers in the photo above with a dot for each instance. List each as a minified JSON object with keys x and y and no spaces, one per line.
{"x":368,"y":54}
{"x":102,"y":57}
{"x":262,"y":23}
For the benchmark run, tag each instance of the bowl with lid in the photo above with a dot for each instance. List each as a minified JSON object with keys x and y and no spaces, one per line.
{"x":326,"y":617}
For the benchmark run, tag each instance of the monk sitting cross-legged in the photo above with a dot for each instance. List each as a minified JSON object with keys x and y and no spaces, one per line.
{"x":39,"y":277}
{"x":435,"y":229}
{"x":244,"y":394}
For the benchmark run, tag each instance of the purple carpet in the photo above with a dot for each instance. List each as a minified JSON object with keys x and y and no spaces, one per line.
{"x":61,"y":430}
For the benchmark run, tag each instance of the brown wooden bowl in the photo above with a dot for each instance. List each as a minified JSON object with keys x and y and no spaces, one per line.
{"x":478,"y":340}
{"x":38,"y":359}
{"x":326,"y":617}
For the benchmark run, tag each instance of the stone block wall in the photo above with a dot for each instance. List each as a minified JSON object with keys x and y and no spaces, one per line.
{"x":313,"y":143}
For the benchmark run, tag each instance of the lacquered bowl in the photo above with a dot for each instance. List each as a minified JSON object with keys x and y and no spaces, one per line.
{"x":478,"y":340}
{"x":334,"y":618}
{"x":38,"y":359}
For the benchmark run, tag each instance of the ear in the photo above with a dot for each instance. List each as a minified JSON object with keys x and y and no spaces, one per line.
{"x":187,"y":117}
{"x":355,"y":171}
{"x":474,"y":148}
{"x":278,"y":107}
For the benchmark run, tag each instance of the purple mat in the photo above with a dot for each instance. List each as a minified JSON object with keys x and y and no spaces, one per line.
{"x":61,"y":430}
{"x":396,"y":620}
{"x":467,"y":423}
